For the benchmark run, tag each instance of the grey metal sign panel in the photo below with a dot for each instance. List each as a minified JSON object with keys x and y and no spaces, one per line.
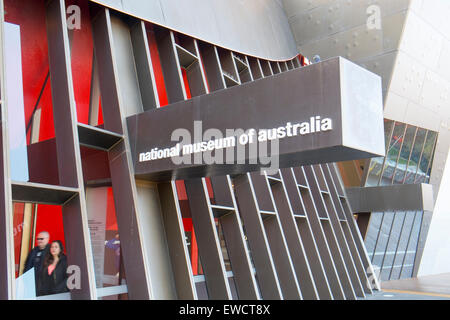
{"x":326,"y":112}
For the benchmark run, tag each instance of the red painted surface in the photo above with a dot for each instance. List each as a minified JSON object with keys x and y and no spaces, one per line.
{"x":49,"y":218}
{"x":111,"y":222}
{"x":186,"y":83}
{"x":100,"y":113}
{"x":157,"y":69}
{"x":18,"y":227}
{"x":30,"y":16}
{"x":82,"y":51}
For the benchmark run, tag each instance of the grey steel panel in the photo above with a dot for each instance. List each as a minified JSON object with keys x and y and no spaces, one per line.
{"x":97,"y":138}
{"x":101,"y":27}
{"x":310,"y":198}
{"x":155,"y":241}
{"x":285,"y":270}
{"x":320,"y":193}
{"x":304,"y":228}
{"x":397,"y":246}
{"x":212,"y":67}
{"x":355,"y":231}
{"x":407,"y":243}
{"x":275,"y":67}
{"x":339,"y":262}
{"x":237,"y":250}
{"x":422,"y":237}
{"x":276,"y":238}
{"x":170,"y":65}
{"x":144,"y":67}
{"x":401,"y":197}
{"x":75,"y":233}
{"x":182,"y":272}
{"x":195,"y":79}
{"x":313,"y":254}
{"x":124,"y":188}
{"x":62,"y":96}
{"x":266,"y":68}
{"x":145,"y":126}
{"x":348,"y":238}
{"x":341,"y":241}
{"x":124,"y":49}
{"x":208,"y":241}
{"x":242,"y":270}
{"x":294,"y":242}
{"x":255,"y":68}
{"x":257,"y":239}
{"x":222,"y":195}
{"x":67,"y":145}
{"x":231,"y":24}
{"x":40,"y":193}
{"x":126,"y":215}
{"x":362,"y":101}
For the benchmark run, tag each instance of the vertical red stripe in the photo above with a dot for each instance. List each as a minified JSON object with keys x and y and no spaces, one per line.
{"x":194,"y":253}
{"x":111,"y":221}
{"x":156,"y":64}
{"x":186,"y":83}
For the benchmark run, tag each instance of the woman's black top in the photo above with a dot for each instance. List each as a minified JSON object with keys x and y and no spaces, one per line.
{"x":56,"y":282}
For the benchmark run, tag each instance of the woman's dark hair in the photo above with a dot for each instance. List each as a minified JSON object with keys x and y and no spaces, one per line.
{"x":48,"y":260}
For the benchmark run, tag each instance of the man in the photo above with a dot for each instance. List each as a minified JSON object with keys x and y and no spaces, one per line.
{"x":36,"y":257}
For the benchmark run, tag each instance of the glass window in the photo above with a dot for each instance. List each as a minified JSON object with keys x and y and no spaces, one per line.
{"x":393,"y":153}
{"x":402,"y":245}
{"x":415,"y":156}
{"x":28,"y":91}
{"x":402,"y":162}
{"x":382,"y":238}
{"x":423,"y":173}
{"x":105,"y":240}
{"x":410,"y":255}
{"x":36,"y":226}
{"x":104,"y":233}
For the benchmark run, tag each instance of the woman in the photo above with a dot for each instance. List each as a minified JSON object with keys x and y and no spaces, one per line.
{"x":54,"y":270}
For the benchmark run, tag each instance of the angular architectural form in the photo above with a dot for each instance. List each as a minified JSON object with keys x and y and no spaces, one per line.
{"x":80,"y":80}
{"x":407,"y":44}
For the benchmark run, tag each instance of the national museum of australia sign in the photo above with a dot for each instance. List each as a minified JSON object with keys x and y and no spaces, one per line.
{"x":326,"y":112}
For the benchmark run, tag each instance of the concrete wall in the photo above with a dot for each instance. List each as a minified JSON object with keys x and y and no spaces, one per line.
{"x":436,"y":255}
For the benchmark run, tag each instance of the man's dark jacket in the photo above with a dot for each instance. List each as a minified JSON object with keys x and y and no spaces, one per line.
{"x":30,"y":263}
